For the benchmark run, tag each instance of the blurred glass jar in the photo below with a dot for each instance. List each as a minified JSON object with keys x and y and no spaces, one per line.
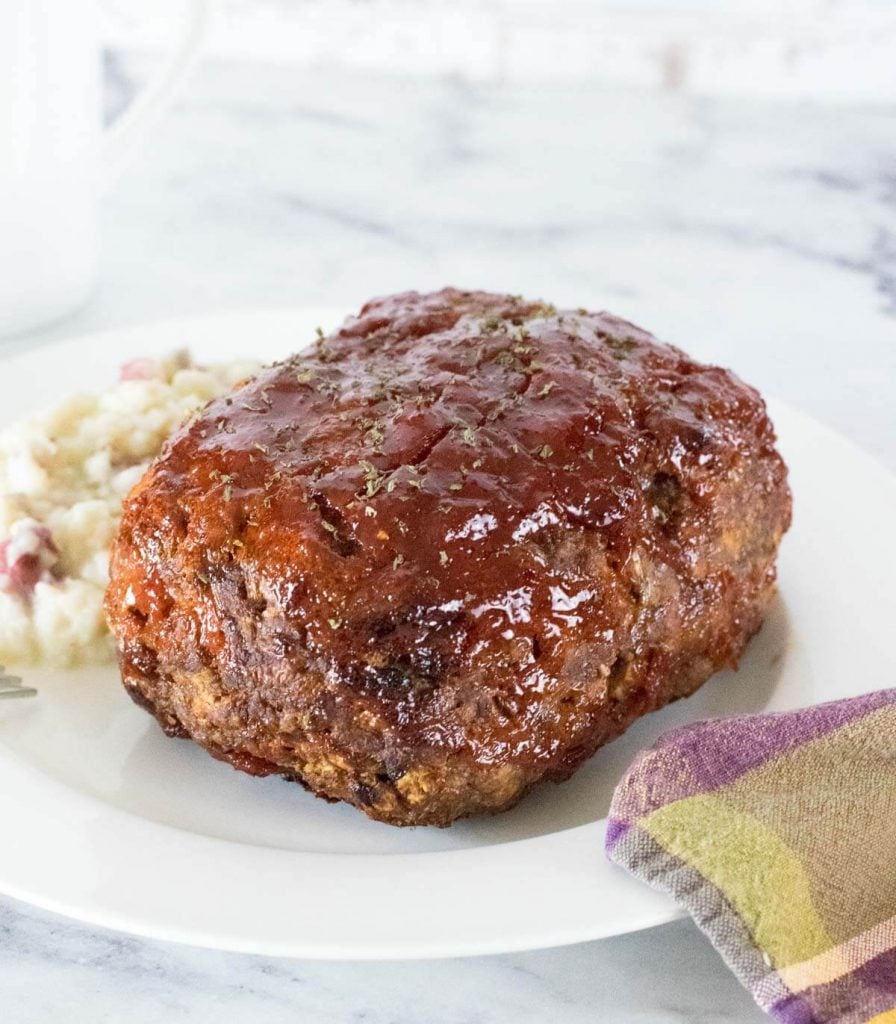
{"x":55,"y":161}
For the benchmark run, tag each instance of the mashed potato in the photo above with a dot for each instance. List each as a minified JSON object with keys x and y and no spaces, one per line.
{"x":63,"y":476}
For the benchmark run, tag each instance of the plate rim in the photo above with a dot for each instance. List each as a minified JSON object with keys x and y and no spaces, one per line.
{"x":105,"y":902}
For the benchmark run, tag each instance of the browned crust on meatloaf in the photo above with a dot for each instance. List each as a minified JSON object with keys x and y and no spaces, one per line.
{"x":448,"y":552}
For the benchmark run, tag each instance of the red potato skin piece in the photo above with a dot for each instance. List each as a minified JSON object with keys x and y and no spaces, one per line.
{"x":448,"y":552}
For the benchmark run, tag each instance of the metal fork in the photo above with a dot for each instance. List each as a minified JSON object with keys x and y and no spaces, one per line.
{"x":11,"y":686}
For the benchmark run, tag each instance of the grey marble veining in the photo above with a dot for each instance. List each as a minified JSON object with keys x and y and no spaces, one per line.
{"x":754,"y":234}
{"x":53,"y":969}
{"x":757,"y":234}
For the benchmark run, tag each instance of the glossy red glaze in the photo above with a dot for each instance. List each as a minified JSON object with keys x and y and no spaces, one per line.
{"x":459,"y":486}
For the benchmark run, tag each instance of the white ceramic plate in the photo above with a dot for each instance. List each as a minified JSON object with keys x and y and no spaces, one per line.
{"x":105,"y":819}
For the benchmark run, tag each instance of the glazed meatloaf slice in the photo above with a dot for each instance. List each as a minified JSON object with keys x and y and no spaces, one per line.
{"x":448,"y":552}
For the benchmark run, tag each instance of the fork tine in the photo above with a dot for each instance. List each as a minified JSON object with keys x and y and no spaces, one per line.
{"x":11,"y":686}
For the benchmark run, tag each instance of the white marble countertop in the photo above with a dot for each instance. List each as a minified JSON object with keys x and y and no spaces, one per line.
{"x":754,"y":234}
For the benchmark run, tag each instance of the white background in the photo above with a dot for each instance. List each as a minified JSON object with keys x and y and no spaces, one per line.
{"x":839,"y":49}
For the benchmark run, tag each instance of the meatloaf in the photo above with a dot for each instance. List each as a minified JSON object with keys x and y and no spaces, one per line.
{"x":447,"y":552}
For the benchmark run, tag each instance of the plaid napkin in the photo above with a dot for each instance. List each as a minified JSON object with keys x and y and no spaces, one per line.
{"x":777,"y":832}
